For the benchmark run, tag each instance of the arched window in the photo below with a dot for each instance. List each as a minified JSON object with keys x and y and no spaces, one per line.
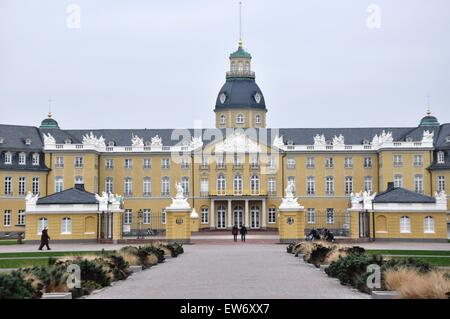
{"x":221,"y":185}
{"x":405,"y":225}
{"x":147,"y":186}
{"x":42,"y":224}
{"x":240,"y":118}
{"x":59,"y":184}
{"x":237,"y":184}
{"x":257,"y":119}
{"x":254,"y":184}
{"x":22,"y":158}
{"x":8,"y":158}
{"x":128,"y":186}
{"x":109,"y":185}
{"x":222,"y":119}
{"x":66,"y":225}
{"x":247,"y":66}
{"x":185,"y":185}
{"x":241,"y":67}
{"x":428,"y":225}
{"x":165,"y":186}
{"x":440,"y":157}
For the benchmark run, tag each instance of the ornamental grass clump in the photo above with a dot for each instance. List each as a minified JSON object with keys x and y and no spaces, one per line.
{"x":14,"y":285}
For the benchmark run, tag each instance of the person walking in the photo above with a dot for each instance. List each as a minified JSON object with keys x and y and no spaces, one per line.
{"x":243,"y":232}
{"x":44,"y":239}
{"x":235,"y":232}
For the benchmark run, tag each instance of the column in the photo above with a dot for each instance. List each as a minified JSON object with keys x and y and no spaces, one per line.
{"x":247,"y":224}
{"x":230,"y":225}
{"x":212,"y":213}
{"x":263,"y":222}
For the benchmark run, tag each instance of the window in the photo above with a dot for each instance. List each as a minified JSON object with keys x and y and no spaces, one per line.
{"x":329,"y":185}
{"x":204,"y":215}
{"x":205,"y":162}
{"x":147,"y":186}
{"x":59,"y":184}
{"x":398,"y":160}
{"x":310,"y":162}
{"x":330,"y":215}
{"x":291,"y":179}
{"x":35,"y":185}
{"x":165,"y":186}
{"x":367,"y":162}
{"x":240,"y":118}
{"x":257,"y":119}
{"x":147,"y":163}
{"x":66,"y":226}
{"x":237,"y":160}
{"x":290,"y":163}
{"x":22,"y":185}
{"x":398,"y":180}
{"x":8,"y":158}
{"x":348,"y":185}
{"x":254,"y":184}
{"x":348,"y":162}
{"x":254,"y":161}
{"x":237,"y":184}
{"x":418,"y":183}
{"x":405,"y":225}
{"x":185,"y":185}
{"x":109,"y":164}
{"x":42,"y":224}
{"x":165,"y":163}
{"x":109,"y":185}
{"x":311,"y":216}
{"x":310,"y":185}
{"x":128,"y":186}
{"x":7,"y":218}
{"x":204,"y":186}
{"x":127,"y":217}
{"x":147,"y":216}
{"x":440,"y":157}
{"x":8,"y":185}
{"x":221,"y":185}
{"x":128,"y":163}
{"x":329,"y":162}
{"x":418,"y":160}
{"x":79,"y":180}
{"x":21,"y":218}
{"x":441,"y":183}
{"x":271,"y":186}
{"x":185,"y":163}
{"x":163,"y":216}
{"x":272,"y":215}
{"x":272,"y":162}
{"x":22,"y":158}
{"x":59,"y":162}
{"x":222,"y":119}
{"x":220,"y":162}
{"x":35,"y":159}
{"x":79,"y":162}
{"x":428,"y":225}
{"x":368,"y":184}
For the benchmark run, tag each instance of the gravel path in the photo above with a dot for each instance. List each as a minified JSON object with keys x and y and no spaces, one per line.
{"x":231,"y":271}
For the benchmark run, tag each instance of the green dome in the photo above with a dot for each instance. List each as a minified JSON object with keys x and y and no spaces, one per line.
{"x":240,"y":53}
{"x":49,"y":122}
{"x":429,"y":120}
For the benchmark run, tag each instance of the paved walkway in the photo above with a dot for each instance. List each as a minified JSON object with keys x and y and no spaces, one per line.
{"x":231,"y":271}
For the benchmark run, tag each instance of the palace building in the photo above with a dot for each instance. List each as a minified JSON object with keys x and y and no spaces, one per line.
{"x":374,"y":182}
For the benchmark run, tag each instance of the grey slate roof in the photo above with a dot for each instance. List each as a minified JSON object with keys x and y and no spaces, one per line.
{"x":401,"y":195}
{"x":444,"y":132}
{"x":69,"y":196}
{"x":240,"y":93}
{"x":14,"y":137}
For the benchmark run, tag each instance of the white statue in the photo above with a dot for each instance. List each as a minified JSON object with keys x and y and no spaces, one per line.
{"x":237,"y":142}
{"x":104,"y":199}
{"x":441,"y":197}
{"x":383,"y":138}
{"x":136,"y":141}
{"x":156,"y":141}
{"x":31,"y":199}
{"x":49,"y":139}
{"x":338,"y":140}
{"x":179,"y":202}
{"x":362,"y":197}
{"x":180,"y":191}
{"x":319,"y":140}
{"x":91,"y":139}
{"x":428,"y":137}
{"x":196,"y":142}
{"x":290,"y":201}
{"x":278,"y":141}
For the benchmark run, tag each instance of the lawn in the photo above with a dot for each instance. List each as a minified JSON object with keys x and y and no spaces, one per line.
{"x":4,"y":242}
{"x":439,"y":258}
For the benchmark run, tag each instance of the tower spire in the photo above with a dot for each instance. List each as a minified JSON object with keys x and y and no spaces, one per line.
{"x":49,"y":108}
{"x":428,"y":105}
{"x":240,"y":24}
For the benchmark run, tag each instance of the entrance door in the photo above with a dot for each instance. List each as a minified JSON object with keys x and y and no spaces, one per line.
{"x":221,"y":212}
{"x":254,"y":214}
{"x":238,"y":215}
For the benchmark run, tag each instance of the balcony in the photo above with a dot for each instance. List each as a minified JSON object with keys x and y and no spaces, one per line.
{"x":238,"y":166}
{"x":254,"y":166}
{"x":221,"y":166}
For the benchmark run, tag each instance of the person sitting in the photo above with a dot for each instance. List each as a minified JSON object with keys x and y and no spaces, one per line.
{"x":328,"y":236}
{"x":313,"y":235}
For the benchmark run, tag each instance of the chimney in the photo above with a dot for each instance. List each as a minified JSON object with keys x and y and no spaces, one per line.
{"x":80,"y":187}
{"x":390,"y":186}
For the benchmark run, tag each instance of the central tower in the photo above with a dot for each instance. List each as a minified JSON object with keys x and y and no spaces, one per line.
{"x":240,"y":102}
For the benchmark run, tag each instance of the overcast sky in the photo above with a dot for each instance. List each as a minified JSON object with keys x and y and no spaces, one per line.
{"x":160,"y":63}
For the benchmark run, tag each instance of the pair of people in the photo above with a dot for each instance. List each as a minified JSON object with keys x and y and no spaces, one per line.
{"x":315,"y":235}
{"x":243,"y":231}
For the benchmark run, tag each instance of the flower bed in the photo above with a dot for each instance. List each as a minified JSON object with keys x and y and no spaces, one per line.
{"x":97,"y":271}
{"x":411,"y":277}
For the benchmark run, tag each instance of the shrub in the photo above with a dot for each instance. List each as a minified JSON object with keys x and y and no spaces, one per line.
{"x":93,"y":271}
{"x":150,"y":249}
{"x":290,"y":248}
{"x":15,"y":286}
{"x":410,"y":263}
{"x":119,"y":267}
{"x":318,"y":254}
{"x":178,"y":248}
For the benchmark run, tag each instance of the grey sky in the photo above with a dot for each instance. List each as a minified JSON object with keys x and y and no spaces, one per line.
{"x":160,"y":64}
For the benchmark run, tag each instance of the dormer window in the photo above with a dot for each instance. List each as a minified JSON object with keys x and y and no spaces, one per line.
{"x":22,"y":158}
{"x":8,"y":158}
{"x":447,"y":139}
{"x":68,"y":141}
{"x":111,"y":143}
{"x":409,"y":139}
{"x":440,"y":157}
{"x":240,"y":118}
{"x":35,"y":159}
{"x":290,"y":142}
{"x":366,"y":142}
{"x":28,"y":141}
{"x":2,"y":140}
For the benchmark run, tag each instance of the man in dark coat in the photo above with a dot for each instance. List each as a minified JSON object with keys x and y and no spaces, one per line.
{"x":44,"y":239}
{"x":235,"y":231}
{"x":243,"y":232}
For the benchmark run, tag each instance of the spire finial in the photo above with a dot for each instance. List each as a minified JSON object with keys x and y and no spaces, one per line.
{"x":428,"y":105}
{"x":240,"y":24}
{"x":49,"y":108}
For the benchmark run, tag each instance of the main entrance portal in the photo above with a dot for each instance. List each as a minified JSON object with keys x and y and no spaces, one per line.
{"x":221,"y":216}
{"x":238,"y":215}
